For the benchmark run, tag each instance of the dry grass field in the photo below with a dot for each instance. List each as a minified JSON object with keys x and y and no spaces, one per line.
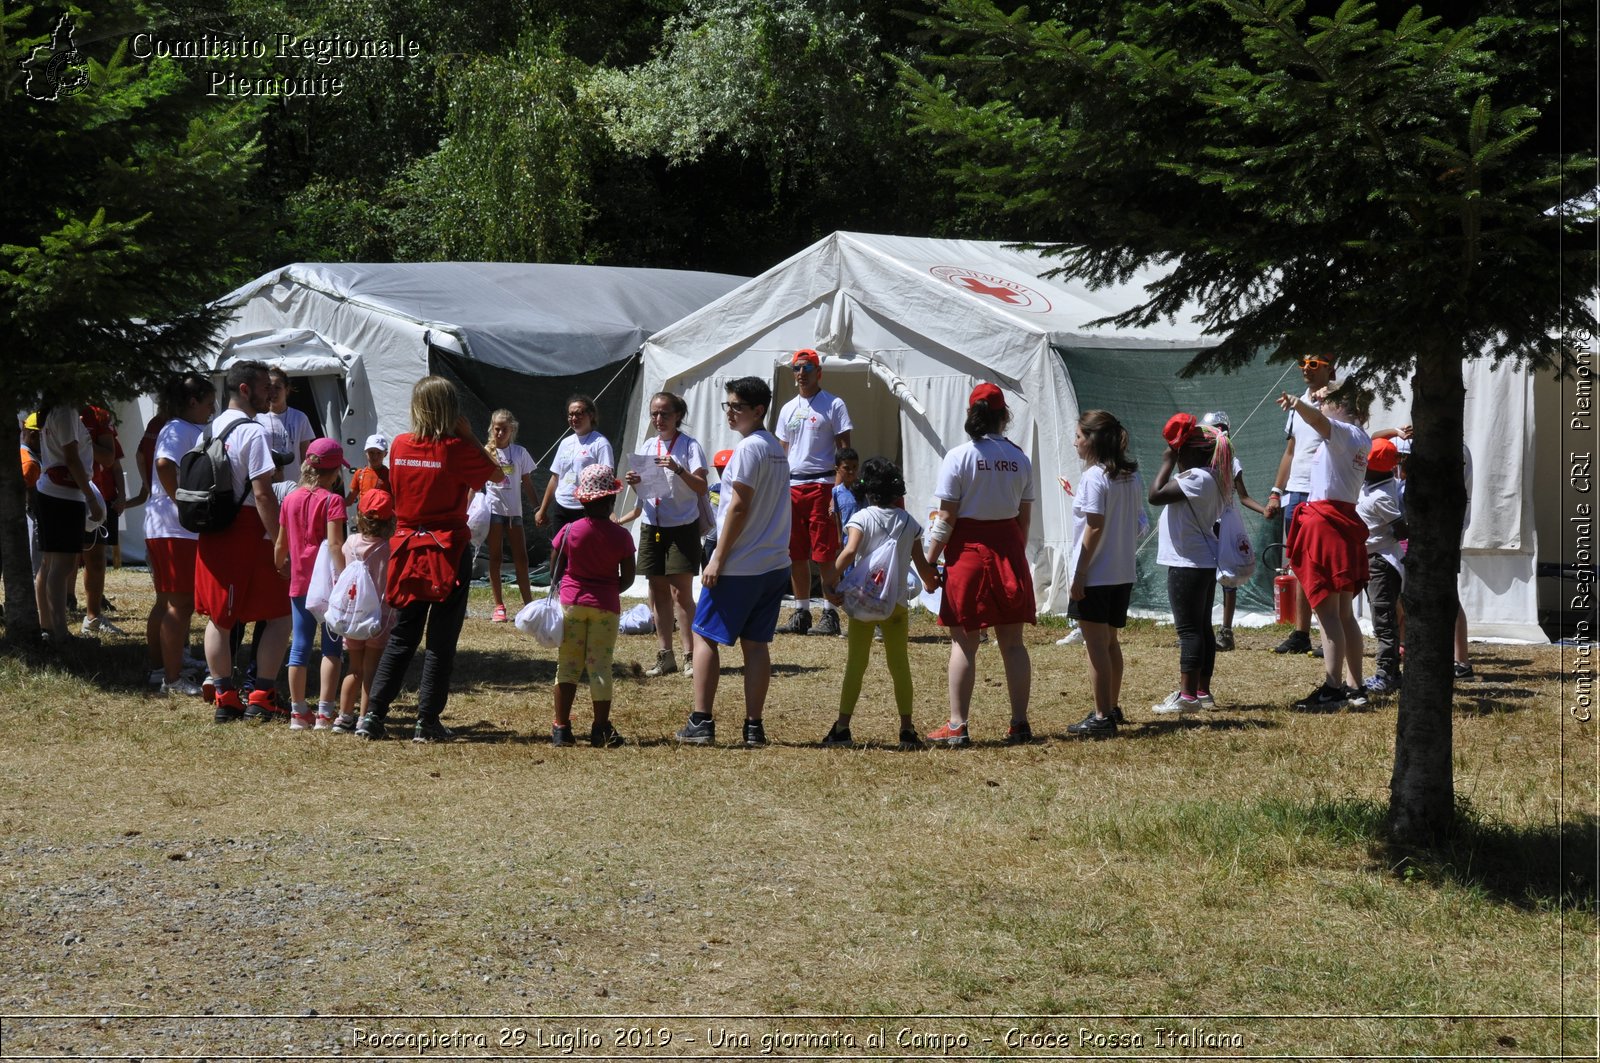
{"x":1213,"y":886}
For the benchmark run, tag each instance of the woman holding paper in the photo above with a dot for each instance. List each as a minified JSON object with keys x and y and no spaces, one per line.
{"x":668,"y":475}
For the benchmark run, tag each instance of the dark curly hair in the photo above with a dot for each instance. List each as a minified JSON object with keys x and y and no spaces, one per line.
{"x":881,"y":483}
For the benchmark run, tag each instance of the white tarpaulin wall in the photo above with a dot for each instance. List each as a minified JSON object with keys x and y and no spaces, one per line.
{"x":907,"y":326}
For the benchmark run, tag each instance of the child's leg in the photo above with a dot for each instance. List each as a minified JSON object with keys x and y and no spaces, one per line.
{"x":566,"y":694}
{"x":350,"y":689}
{"x":496,"y":530}
{"x":519,"y":557}
{"x":1230,"y":598}
{"x":602,"y":646}
{"x":304,"y":630}
{"x":858,"y":648}
{"x":332,"y":663}
{"x":896,"y":638}
{"x":570,"y":658}
{"x":369,"y":672}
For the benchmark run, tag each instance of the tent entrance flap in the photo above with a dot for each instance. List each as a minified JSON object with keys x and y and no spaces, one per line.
{"x":874,"y":408}
{"x":1142,"y":389}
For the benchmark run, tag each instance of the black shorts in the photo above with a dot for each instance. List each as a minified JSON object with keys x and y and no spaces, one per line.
{"x":1104,"y":604}
{"x":669,"y":551}
{"x":60,"y":523}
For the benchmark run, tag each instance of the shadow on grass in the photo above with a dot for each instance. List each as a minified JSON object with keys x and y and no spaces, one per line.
{"x":1539,"y":868}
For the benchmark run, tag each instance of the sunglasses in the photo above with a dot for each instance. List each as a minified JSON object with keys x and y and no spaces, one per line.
{"x":802,"y":370}
{"x":1314,"y":363}
{"x":736,"y":407}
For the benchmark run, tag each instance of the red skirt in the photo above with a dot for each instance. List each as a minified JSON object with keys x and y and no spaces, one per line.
{"x":1328,"y":549}
{"x":987,"y":581}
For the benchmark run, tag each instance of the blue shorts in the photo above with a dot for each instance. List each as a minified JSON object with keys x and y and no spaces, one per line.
{"x":741,"y":607}
{"x":505,"y":520}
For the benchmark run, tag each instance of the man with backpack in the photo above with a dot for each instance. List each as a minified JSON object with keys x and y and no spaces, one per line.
{"x":237,"y":579}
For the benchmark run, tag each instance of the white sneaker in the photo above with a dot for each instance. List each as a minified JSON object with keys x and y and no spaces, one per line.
{"x":301,"y":721}
{"x":181,"y":686}
{"x":99,"y":625}
{"x":324,"y":723}
{"x":1176,"y":704}
{"x":1206,"y":700}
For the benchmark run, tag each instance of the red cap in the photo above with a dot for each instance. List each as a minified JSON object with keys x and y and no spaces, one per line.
{"x":722,"y":459}
{"x":987,"y":393}
{"x":325,"y":453}
{"x":1384,"y":456}
{"x":376,"y":503}
{"x":1182,"y":430}
{"x":806,"y":356}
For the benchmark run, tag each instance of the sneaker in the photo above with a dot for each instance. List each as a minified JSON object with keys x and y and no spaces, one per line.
{"x":99,"y":625}
{"x":605,"y":737}
{"x":1116,"y":715}
{"x":499,"y":615}
{"x":1315,"y":651}
{"x":697,"y":732}
{"x":1323,"y":699}
{"x":263,"y":706}
{"x":950,"y":736}
{"x":302,"y":721}
{"x":688,"y":670}
{"x":1094,"y":726}
{"x":1463,"y":670}
{"x":324,"y":721}
{"x":1224,"y":639}
{"x":910,"y":740}
{"x":666,"y":664}
{"x":208,"y":690}
{"x":828,"y":625}
{"x":431,"y":730}
{"x":1355,"y":697}
{"x":229,"y":707}
{"x":755,"y":734}
{"x":561,"y":736}
{"x":837,"y":736}
{"x":370,"y":727}
{"x":345,"y":723}
{"x":1205,"y":699}
{"x":180,"y":687}
{"x":156,"y":677}
{"x":1175,"y":704}
{"x":1019,"y":734}
{"x":1381,"y":685}
{"x":1297,"y":642}
{"x":799,"y":623}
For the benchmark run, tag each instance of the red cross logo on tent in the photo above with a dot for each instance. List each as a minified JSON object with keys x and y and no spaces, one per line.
{"x":1003,"y":290}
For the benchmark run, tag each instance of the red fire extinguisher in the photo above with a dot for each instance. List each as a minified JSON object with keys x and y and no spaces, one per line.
{"x":1284,"y":588}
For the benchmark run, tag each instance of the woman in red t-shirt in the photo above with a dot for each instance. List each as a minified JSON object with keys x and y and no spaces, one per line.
{"x":432,"y":470}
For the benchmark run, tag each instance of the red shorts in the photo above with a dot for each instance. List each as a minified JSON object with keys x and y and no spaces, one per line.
{"x":813,"y":535}
{"x":171,"y":564}
{"x":235,"y":580}
{"x":987,"y":581}
{"x":1328,"y":549}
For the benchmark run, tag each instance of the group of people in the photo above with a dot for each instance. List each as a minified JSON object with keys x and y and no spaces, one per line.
{"x":784,"y":501}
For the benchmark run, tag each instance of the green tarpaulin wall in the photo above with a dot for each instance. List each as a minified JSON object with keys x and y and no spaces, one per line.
{"x":1142,"y":389}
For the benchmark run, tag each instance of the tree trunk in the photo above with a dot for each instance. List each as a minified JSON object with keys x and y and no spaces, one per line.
{"x":16,"y":565}
{"x":1422,"y":789}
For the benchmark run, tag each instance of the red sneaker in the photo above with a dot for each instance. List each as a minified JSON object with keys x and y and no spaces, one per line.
{"x":950,"y":736}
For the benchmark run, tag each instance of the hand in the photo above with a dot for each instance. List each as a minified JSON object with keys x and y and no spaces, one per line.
{"x":713,"y":569}
{"x":630,"y":478}
{"x":1405,"y":431}
{"x":1286,"y":401}
{"x":1077,"y":591}
{"x":541,"y":518}
{"x":119,"y":506}
{"x":97,"y":509}
{"x":1272,"y":507}
{"x":667,"y":462}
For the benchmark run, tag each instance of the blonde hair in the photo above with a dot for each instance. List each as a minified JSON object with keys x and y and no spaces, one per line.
{"x":435,"y":408}
{"x":510,"y":419}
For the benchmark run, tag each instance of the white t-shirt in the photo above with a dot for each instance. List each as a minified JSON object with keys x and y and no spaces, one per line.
{"x":289,"y":430}
{"x":1341,"y":463}
{"x":1119,"y":502}
{"x":1307,"y":442}
{"x":763,"y":545}
{"x":176,"y":439}
{"x":678,"y":506}
{"x":1186,"y":536}
{"x":62,"y":425}
{"x":876,"y":524}
{"x":505,"y":497}
{"x":808,"y":427}
{"x":990,"y":477}
{"x":249,"y":453}
{"x":575,"y":454}
{"x":1379,"y":508}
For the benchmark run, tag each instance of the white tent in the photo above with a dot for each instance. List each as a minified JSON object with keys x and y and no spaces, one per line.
{"x":907,"y":326}
{"x":355,"y":337}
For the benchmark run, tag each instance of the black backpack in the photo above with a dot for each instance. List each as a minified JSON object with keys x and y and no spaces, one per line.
{"x":205,"y":484}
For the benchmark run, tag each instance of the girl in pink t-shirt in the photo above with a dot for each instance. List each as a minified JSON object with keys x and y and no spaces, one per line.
{"x":595,"y":560}
{"x":312,"y":513}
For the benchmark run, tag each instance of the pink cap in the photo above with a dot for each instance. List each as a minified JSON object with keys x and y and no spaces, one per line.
{"x":325,"y":454}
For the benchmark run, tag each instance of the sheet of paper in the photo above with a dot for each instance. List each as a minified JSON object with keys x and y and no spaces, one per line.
{"x":652,"y":477}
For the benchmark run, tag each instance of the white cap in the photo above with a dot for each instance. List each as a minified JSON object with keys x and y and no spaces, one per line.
{"x":377,"y":441}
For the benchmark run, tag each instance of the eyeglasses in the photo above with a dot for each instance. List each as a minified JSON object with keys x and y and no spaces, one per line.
{"x":736,"y":407}
{"x":578,"y":414}
{"x":1314,"y":363}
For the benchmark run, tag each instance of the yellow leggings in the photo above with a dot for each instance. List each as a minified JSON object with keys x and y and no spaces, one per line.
{"x":588,"y":642}
{"x":896,"y":633}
